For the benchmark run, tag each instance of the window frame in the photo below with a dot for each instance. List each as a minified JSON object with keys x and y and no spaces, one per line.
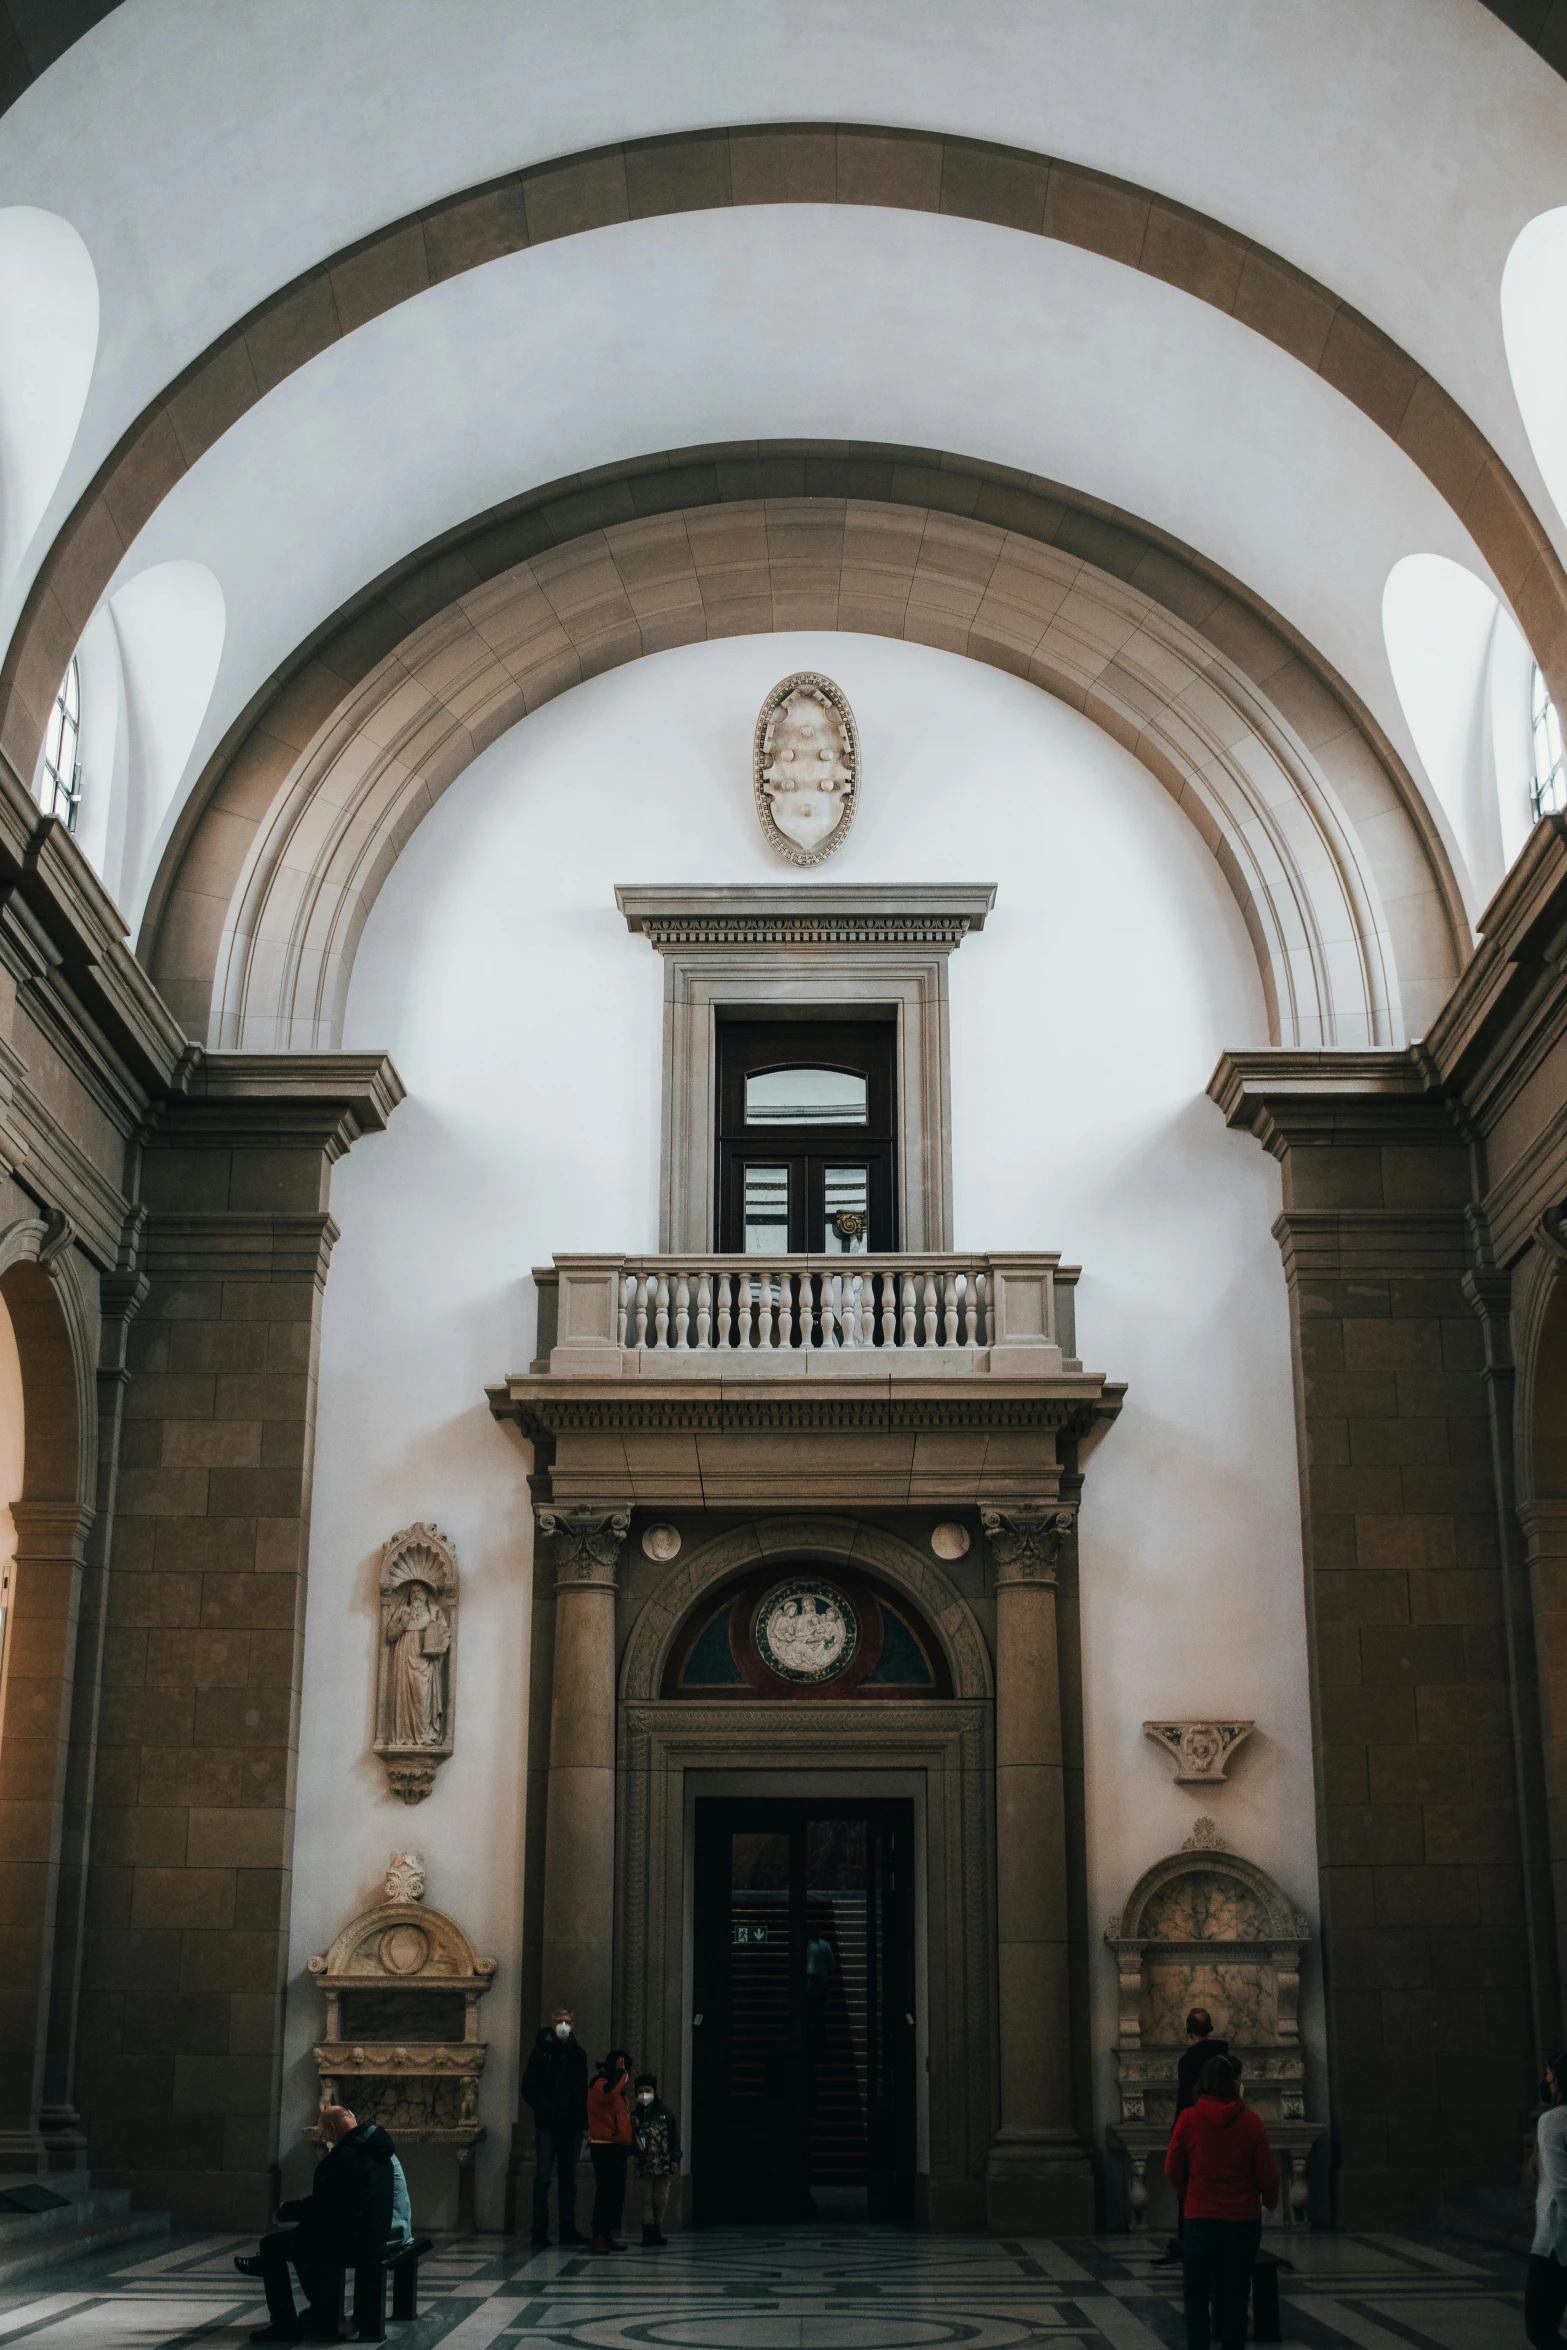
{"x":60,"y":795}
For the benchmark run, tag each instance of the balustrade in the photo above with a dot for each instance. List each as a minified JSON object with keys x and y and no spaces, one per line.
{"x":688,"y":1305}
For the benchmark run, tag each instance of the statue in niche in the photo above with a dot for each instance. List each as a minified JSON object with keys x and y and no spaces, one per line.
{"x":806,"y":768}
{"x":414,"y":1685}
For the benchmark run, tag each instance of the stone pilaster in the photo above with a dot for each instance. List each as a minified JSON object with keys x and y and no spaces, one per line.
{"x":1038,"y":2177}
{"x":579,"y":1854}
{"x":180,"y":2046}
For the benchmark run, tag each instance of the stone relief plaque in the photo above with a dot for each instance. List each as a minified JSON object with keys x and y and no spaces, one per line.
{"x":806,"y":768}
{"x":806,"y":1631}
{"x":415,"y":1686}
{"x":661,"y":1543}
{"x":1202,"y":1749}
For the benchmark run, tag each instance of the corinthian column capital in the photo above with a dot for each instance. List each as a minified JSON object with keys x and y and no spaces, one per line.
{"x":588,"y":1539}
{"x":1026,"y":1541}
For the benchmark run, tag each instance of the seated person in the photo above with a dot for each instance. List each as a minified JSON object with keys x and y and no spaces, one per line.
{"x":357,"y":2203}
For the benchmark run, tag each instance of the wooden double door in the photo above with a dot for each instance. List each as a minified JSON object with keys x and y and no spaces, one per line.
{"x":803,"y":2041}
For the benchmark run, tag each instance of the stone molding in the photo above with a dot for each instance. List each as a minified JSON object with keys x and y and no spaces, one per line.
{"x":844,"y":1541}
{"x":587,"y":1543}
{"x":897,"y":913}
{"x":1026,"y":1541}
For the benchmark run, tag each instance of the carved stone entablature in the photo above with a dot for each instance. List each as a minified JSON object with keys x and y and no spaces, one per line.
{"x":1205,"y":1928}
{"x":416,"y":1685}
{"x":1027,"y":1541}
{"x":587,"y":1541}
{"x":401,"y":2047}
{"x":1202,"y":1750}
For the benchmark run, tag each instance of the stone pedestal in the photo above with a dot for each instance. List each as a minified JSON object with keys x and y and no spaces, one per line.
{"x":1038,"y":2180}
{"x":579,"y":1863}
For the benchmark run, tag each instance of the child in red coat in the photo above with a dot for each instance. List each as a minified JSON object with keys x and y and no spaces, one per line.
{"x":1220,"y":2163}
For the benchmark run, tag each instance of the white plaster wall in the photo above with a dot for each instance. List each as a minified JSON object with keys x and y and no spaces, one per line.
{"x":526,"y":1023}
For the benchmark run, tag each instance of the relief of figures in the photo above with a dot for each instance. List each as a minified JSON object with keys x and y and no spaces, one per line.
{"x":414,"y":1692}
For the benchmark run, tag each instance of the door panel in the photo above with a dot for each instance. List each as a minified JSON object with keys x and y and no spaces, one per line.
{"x":806,"y":1156}
{"x":803,"y":2029}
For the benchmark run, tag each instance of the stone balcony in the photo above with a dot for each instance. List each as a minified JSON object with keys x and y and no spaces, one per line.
{"x":734,"y":1381}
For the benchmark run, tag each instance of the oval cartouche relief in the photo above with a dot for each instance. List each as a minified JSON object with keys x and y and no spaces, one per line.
{"x":806,"y":767}
{"x":806,"y":1631}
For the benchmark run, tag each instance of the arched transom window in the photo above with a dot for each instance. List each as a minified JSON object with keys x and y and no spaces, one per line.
{"x":60,"y":777}
{"x":1549,"y":789}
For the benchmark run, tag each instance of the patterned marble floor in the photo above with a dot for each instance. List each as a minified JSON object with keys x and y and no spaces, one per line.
{"x":805,"y":2289}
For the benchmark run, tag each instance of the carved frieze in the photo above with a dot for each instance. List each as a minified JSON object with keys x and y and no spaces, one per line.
{"x":1202,"y":1749}
{"x":1026,"y":1541}
{"x":416,"y":1664}
{"x":806,"y":768}
{"x":587,"y":1542}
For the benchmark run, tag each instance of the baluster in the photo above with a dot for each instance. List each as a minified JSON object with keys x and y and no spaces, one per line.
{"x":766,"y":1303}
{"x":723,"y":1308}
{"x":746,"y":1337}
{"x":982,"y":1308}
{"x":661,"y":1314}
{"x":970,"y":1325}
{"x":642,"y":1310}
{"x":786,"y":1322}
{"x":889,"y":1308}
{"x":849,"y":1324}
{"x":866,"y":1287}
{"x":930,"y":1309}
{"x":908,"y":1281}
{"x":704,"y":1308}
{"x":682,"y":1312}
{"x":949,"y":1284}
{"x":627,"y":1290}
{"x":829,"y":1308}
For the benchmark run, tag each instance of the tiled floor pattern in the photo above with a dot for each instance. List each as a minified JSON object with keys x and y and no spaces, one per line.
{"x":804,"y":2289}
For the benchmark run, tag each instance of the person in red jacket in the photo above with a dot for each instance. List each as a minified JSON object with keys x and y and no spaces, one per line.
{"x":609,"y":2146}
{"x":1221,"y":2165}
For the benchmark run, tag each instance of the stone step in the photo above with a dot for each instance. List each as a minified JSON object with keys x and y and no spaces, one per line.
{"x":94,"y":2220}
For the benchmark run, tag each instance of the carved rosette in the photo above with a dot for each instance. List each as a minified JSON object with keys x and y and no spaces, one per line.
{"x":1026,"y":1542}
{"x":587,"y":1541}
{"x":1202,"y":1749}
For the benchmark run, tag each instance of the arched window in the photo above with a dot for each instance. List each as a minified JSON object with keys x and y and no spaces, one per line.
{"x":1549,"y":789}
{"x":60,"y":781}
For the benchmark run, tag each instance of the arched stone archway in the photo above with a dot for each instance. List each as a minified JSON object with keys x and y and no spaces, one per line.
{"x":1026,"y":193}
{"x":53,"y":1316}
{"x":1347,"y":902}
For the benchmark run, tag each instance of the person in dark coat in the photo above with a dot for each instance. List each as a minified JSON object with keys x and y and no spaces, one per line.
{"x":1204,"y":2048}
{"x":609,"y":2143}
{"x":555,"y":2089}
{"x":1221,"y":2165}
{"x":345,"y":2218}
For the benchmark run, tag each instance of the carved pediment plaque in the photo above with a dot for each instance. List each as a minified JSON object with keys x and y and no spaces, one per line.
{"x":806,"y":767}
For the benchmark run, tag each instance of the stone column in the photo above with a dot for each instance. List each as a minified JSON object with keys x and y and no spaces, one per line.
{"x":1038,"y":2179}
{"x":579,"y":1851}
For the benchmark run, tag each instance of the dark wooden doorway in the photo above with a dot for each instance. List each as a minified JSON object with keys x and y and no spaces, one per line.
{"x":803,"y":2041}
{"x":806,"y":1137}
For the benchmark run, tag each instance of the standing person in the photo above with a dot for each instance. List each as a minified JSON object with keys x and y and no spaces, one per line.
{"x":609,"y":2144}
{"x":555,"y":2088}
{"x":1545,"y":2286}
{"x":655,"y":2155}
{"x":1222,"y":2166}
{"x":1204,"y":2047}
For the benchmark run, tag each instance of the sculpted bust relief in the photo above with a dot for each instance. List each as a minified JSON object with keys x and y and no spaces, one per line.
{"x":806,"y":767}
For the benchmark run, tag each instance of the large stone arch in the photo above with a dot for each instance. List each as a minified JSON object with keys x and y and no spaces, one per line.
{"x":849,"y":1540}
{"x":846,"y":163}
{"x":1347,"y":902}
{"x":52,"y":1311}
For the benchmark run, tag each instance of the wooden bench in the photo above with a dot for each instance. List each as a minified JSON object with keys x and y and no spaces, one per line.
{"x":370,"y":2287}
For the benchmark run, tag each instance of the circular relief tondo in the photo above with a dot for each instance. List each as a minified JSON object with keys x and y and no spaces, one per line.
{"x":806,"y":1631}
{"x":661,"y":1543}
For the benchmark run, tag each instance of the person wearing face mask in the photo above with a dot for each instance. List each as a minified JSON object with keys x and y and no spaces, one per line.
{"x":555,"y":2088}
{"x":1545,"y":2287}
{"x":609,"y":2145}
{"x":655,"y":2143}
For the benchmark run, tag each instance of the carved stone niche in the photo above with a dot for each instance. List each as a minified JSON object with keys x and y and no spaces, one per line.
{"x":403,"y":1985}
{"x":416,"y":1669}
{"x":1205,"y":1928}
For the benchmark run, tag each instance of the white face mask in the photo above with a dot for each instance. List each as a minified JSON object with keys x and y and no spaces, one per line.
{"x":644,"y":2096}
{"x":563,"y":2031}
